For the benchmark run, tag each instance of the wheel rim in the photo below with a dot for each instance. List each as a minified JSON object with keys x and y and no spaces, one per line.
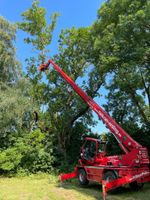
{"x":81,"y":177}
{"x":110,"y":178}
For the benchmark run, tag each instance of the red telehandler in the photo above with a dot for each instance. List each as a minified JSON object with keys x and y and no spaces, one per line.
{"x":132,"y":167}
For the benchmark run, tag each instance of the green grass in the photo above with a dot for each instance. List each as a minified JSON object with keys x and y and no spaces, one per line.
{"x":47,"y":187}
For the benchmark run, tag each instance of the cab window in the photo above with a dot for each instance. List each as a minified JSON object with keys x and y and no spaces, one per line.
{"x":89,"y":149}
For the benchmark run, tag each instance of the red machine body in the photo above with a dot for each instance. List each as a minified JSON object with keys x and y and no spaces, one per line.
{"x":112,"y":171}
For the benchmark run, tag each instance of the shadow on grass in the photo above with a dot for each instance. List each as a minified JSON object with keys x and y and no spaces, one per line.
{"x":94,"y":191}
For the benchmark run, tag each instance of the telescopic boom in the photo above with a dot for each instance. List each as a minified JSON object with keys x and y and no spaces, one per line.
{"x":125,"y":141}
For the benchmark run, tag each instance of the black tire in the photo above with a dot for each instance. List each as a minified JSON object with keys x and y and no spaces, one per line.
{"x":82,"y":177}
{"x":108,"y":176}
{"x":135,"y":186}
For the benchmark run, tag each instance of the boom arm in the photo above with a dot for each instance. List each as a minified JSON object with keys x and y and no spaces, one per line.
{"x":124,"y":140}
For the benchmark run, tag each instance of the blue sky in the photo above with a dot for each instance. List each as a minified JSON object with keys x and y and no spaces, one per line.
{"x":79,"y":13}
{"x":72,"y":13}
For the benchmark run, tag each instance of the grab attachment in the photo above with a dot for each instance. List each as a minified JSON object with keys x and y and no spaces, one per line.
{"x":45,"y":66}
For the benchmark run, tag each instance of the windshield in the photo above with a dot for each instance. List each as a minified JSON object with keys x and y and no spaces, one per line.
{"x":89,"y":149}
{"x":101,"y":147}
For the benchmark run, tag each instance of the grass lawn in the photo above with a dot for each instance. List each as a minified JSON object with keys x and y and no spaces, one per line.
{"x":47,"y":187}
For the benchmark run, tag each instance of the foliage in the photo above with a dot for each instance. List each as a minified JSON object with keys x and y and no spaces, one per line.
{"x":69,"y":115}
{"x":28,"y":153}
{"x":15,"y":111}
{"x":114,"y":53}
{"x":60,"y":119}
{"x":35,"y":158}
{"x":121,"y":47}
{"x":35,"y":24}
{"x":9,"y":66}
{"x":14,"y":96}
{"x":10,"y":159}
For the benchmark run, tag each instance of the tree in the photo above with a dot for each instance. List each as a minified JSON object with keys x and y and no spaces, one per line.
{"x":9,"y":66}
{"x":16,"y":109}
{"x":14,"y":99}
{"x":63,"y":109}
{"x":14,"y":106}
{"x":39,"y":36}
{"x":35,"y":24}
{"x":122,"y":48}
{"x":68,"y":111}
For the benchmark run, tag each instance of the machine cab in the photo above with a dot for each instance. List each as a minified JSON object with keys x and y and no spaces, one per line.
{"x":93,"y":148}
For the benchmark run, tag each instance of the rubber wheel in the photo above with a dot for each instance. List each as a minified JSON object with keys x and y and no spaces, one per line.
{"x":135,"y":186}
{"x":108,"y":176}
{"x":82,"y":177}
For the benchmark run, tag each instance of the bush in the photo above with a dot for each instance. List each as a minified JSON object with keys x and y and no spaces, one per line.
{"x":28,"y":154}
{"x":10,"y":159}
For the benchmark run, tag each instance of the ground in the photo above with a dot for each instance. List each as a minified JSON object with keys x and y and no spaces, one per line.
{"x":47,"y":187}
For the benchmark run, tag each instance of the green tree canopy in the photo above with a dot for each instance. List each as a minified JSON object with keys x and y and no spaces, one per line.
{"x":9,"y":66}
{"x":122,"y":35}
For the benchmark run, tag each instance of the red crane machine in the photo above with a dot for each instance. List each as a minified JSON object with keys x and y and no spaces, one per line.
{"x":132,"y":167}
